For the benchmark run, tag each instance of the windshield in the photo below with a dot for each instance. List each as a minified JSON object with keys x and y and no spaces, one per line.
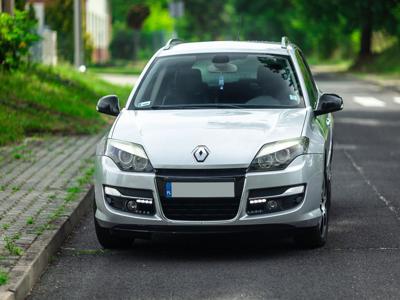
{"x":219,"y":81}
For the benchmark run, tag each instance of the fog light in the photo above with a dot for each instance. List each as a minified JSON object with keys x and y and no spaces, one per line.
{"x":256,"y":201}
{"x":272,"y":204}
{"x":131,"y":205}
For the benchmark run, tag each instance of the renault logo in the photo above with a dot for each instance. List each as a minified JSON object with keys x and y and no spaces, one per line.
{"x":200,"y":153}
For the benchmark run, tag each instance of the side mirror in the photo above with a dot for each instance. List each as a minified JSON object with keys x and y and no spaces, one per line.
{"x":108,"y":105}
{"x":328,"y":103}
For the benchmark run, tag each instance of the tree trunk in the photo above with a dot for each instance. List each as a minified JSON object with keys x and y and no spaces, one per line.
{"x":366,"y":34}
{"x":366,"y":39}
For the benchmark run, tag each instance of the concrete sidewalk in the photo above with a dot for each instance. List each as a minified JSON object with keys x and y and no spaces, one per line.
{"x":42,"y":182}
{"x":120,"y":79}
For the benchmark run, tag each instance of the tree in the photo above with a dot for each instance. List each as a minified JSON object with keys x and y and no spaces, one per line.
{"x":137,"y":14}
{"x":364,"y":16}
{"x":17,"y":35}
{"x":206,"y":20}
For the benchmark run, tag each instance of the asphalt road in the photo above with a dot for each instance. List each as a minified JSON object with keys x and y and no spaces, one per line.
{"x":360,"y":260}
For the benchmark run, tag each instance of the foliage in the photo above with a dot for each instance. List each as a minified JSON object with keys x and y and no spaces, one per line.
{"x":326,"y":29}
{"x":120,"y":8}
{"x":137,"y":14}
{"x":121,"y":46}
{"x":11,"y":246}
{"x":3,"y":277}
{"x":16,"y":36}
{"x":20,"y":4}
{"x":206,"y":20}
{"x":386,"y":62}
{"x":159,"y":18}
{"x":44,"y":100}
{"x":364,"y":16}
{"x":154,"y":30}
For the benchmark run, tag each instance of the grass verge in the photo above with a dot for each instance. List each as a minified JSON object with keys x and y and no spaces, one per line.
{"x":3,"y":277}
{"x":120,"y":67}
{"x":48,"y":100}
{"x":386,"y":63}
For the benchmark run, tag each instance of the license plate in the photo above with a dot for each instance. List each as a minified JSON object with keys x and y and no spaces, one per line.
{"x":200,"y":189}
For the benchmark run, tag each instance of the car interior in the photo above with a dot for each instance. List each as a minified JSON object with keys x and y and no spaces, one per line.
{"x":221,"y":81}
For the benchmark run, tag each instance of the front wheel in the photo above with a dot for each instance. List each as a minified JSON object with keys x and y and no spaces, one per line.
{"x":314,"y":237}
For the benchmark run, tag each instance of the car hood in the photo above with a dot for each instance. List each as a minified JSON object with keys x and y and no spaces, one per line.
{"x":232,"y":136}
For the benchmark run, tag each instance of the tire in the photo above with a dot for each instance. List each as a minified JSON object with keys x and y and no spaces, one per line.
{"x":107,"y":239}
{"x":315,"y":237}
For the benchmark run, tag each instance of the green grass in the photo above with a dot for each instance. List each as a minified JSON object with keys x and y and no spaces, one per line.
{"x":11,"y":246}
{"x":72,"y":195}
{"x":30,"y":221}
{"x":120,"y":67}
{"x":384,"y":63}
{"x":44,"y":100}
{"x":3,"y":277}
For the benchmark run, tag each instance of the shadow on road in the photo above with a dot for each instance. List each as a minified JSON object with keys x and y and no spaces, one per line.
{"x":213,"y":246}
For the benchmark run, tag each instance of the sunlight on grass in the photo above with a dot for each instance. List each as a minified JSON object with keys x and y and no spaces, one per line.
{"x":44,"y":100}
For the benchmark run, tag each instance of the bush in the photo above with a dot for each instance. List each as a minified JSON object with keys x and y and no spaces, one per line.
{"x":121,"y":46}
{"x":17,"y":34}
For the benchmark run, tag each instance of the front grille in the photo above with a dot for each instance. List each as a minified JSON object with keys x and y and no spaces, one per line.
{"x":200,"y":209}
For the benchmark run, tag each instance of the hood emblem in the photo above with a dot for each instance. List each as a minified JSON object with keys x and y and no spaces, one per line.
{"x":200,"y":153}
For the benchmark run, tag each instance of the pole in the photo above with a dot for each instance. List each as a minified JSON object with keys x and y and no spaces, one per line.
{"x":78,"y":42}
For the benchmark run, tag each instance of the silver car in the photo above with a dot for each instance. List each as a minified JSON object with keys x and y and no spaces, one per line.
{"x":217,"y":137}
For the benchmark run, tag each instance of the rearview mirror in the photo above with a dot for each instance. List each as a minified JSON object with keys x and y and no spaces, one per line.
{"x":108,"y":105}
{"x":328,"y":103}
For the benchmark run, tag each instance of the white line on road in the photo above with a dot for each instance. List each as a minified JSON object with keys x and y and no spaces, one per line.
{"x":397,"y":100}
{"x":369,"y":101}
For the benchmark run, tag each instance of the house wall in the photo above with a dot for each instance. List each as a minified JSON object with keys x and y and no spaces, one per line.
{"x":98,"y":25}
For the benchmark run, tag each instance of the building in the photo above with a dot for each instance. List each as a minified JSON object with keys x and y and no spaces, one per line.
{"x":97,"y":21}
{"x":44,"y":51}
{"x":98,"y":26}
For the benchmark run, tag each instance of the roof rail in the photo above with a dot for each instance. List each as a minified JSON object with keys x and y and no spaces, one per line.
{"x":172,"y":42}
{"x":285,"y":42}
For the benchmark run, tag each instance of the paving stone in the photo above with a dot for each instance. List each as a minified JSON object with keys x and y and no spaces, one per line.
{"x":34,"y":187}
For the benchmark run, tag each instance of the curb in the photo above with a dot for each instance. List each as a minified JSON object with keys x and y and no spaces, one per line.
{"x":31,"y":266}
{"x":391,"y":85}
{"x":378,"y":82}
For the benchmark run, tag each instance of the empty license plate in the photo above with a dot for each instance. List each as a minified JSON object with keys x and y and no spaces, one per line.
{"x":199,"y":189}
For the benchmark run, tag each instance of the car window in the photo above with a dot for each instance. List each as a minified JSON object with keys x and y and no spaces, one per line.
{"x":312,"y":90}
{"x":219,"y":80}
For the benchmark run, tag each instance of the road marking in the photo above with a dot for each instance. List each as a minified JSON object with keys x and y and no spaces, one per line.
{"x":389,"y":204}
{"x":369,"y":101}
{"x":397,"y":100}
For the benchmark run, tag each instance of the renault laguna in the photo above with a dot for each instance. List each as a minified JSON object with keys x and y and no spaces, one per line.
{"x":217,"y":137}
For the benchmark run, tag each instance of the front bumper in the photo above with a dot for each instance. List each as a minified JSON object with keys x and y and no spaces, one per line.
{"x":304,"y":170}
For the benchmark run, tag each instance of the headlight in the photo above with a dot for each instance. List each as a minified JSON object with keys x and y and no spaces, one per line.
{"x":128,"y":157}
{"x":278,"y":155}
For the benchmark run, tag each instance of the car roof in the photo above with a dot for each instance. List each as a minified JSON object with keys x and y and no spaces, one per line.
{"x":224,"y":46}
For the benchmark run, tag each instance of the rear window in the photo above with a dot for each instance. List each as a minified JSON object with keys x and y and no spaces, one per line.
{"x":219,"y":81}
